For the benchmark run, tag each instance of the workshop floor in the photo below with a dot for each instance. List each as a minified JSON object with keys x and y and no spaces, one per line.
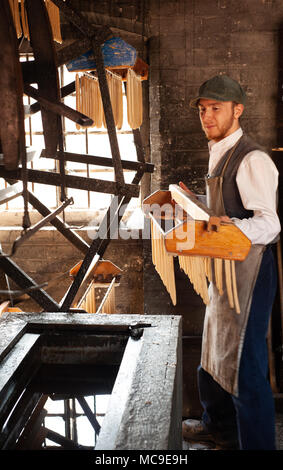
{"x":279,"y":438}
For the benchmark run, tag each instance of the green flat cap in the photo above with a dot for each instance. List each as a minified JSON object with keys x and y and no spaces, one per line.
{"x":220,"y":88}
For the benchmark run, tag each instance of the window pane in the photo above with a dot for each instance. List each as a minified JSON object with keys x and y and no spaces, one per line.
{"x":54,"y":406}
{"x":127,"y":147}
{"x":98,"y":144}
{"x":86,"y":433}
{"x":46,"y":194}
{"x":99,"y":200}
{"x":80,"y":198}
{"x":76,"y":144}
{"x":56,"y":424}
{"x":93,"y":141}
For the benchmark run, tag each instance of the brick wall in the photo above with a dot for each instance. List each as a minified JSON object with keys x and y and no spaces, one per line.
{"x":47,"y":257}
{"x":190,"y":41}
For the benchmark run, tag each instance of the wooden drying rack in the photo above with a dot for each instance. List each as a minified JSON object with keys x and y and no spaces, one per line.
{"x":43,"y":70}
{"x":197,"y":232}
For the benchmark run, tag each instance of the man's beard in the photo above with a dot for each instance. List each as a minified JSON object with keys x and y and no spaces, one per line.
{"x":219,"y":134}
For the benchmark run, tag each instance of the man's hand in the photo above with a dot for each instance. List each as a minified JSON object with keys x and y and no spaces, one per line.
{"x":215,"y":222}
{"x":185,"y":188}
{"x":225,"y":218}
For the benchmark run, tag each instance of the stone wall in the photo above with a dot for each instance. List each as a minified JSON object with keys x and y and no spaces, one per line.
{"x":191,"y":41}
{"x":47,"y":257}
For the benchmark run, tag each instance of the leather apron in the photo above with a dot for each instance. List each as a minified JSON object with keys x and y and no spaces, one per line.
{"x":224,"y":329}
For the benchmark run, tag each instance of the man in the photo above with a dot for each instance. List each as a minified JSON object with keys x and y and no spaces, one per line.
{"x":241,"y":188}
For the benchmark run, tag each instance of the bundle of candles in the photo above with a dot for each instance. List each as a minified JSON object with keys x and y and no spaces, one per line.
{"x":199,"y":269}
{"x":207,"y":247}
{"x":200,"y":272}
{"x":19,"y":14}
{"x":134,"y":100}
{"x":89,"y":101}
{"x":164,"y":263}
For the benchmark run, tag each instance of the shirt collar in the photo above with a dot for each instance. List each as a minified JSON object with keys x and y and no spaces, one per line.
{"x":225,"y":144}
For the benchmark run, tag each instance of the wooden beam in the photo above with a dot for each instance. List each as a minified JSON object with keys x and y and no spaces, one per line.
{"x":92,"y":34}
{"x":58,"y":107}
{"x":67,"y":444}
{"x":101,"y":161}
{"x":99,"y":34}
{"x":76,"y":182}
{"x":29,"y":406}
{"x":65,"y":91}
{"x":90,"y":415}
{"x":24,"y":281}
{"x":32,"y":230}
{"x":69,"y":234}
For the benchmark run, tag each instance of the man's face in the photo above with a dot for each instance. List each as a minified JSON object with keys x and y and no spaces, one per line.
{"x":219,"y":118}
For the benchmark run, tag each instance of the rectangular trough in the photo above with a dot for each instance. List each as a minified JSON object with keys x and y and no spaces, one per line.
{"x":136,"y":359}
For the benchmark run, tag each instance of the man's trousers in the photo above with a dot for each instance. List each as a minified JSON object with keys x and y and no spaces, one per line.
{"x":251,"y":414}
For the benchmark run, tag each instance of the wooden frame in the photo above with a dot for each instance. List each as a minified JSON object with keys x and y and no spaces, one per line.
{"x":145,"y":409}
{"x":35,"y":72}
{"x":191,"y":234}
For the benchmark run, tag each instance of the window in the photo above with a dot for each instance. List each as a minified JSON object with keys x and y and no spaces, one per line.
{"x":67,"y":418}
{"x":91,"y":141}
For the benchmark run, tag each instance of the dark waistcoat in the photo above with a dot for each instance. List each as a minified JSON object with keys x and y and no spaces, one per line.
{"x":231,"y":196}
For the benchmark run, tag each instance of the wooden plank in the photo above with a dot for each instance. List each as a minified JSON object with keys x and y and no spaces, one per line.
{"x":25,"y":282}
{"x":12,"y":131}
{"x":65,"y":91}
{"x":47,"y":77}
{"x":31,"y":231}
{"x":90,"y":415}
{"x":20,"y":415}
{"x":66,"y":231}
{"x":99,"y":245}
{"x":12,"y":379}
{"x":63,"y":441}
{"x":58,"y":108}
{"x":102,"y":161}
{"x":191,"y":205}
{"x":119,"y":396}
{"x":159,"y":198}
{"x":81,"y":280}
{"x":192,"y":239}
{"x":108,"y":112}
{"x":152,"y":396}
{"x":10,"y":193}
{"x":76,"y":182}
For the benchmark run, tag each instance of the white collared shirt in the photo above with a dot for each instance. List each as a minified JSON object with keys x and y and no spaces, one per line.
{"x":257,"y":180}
